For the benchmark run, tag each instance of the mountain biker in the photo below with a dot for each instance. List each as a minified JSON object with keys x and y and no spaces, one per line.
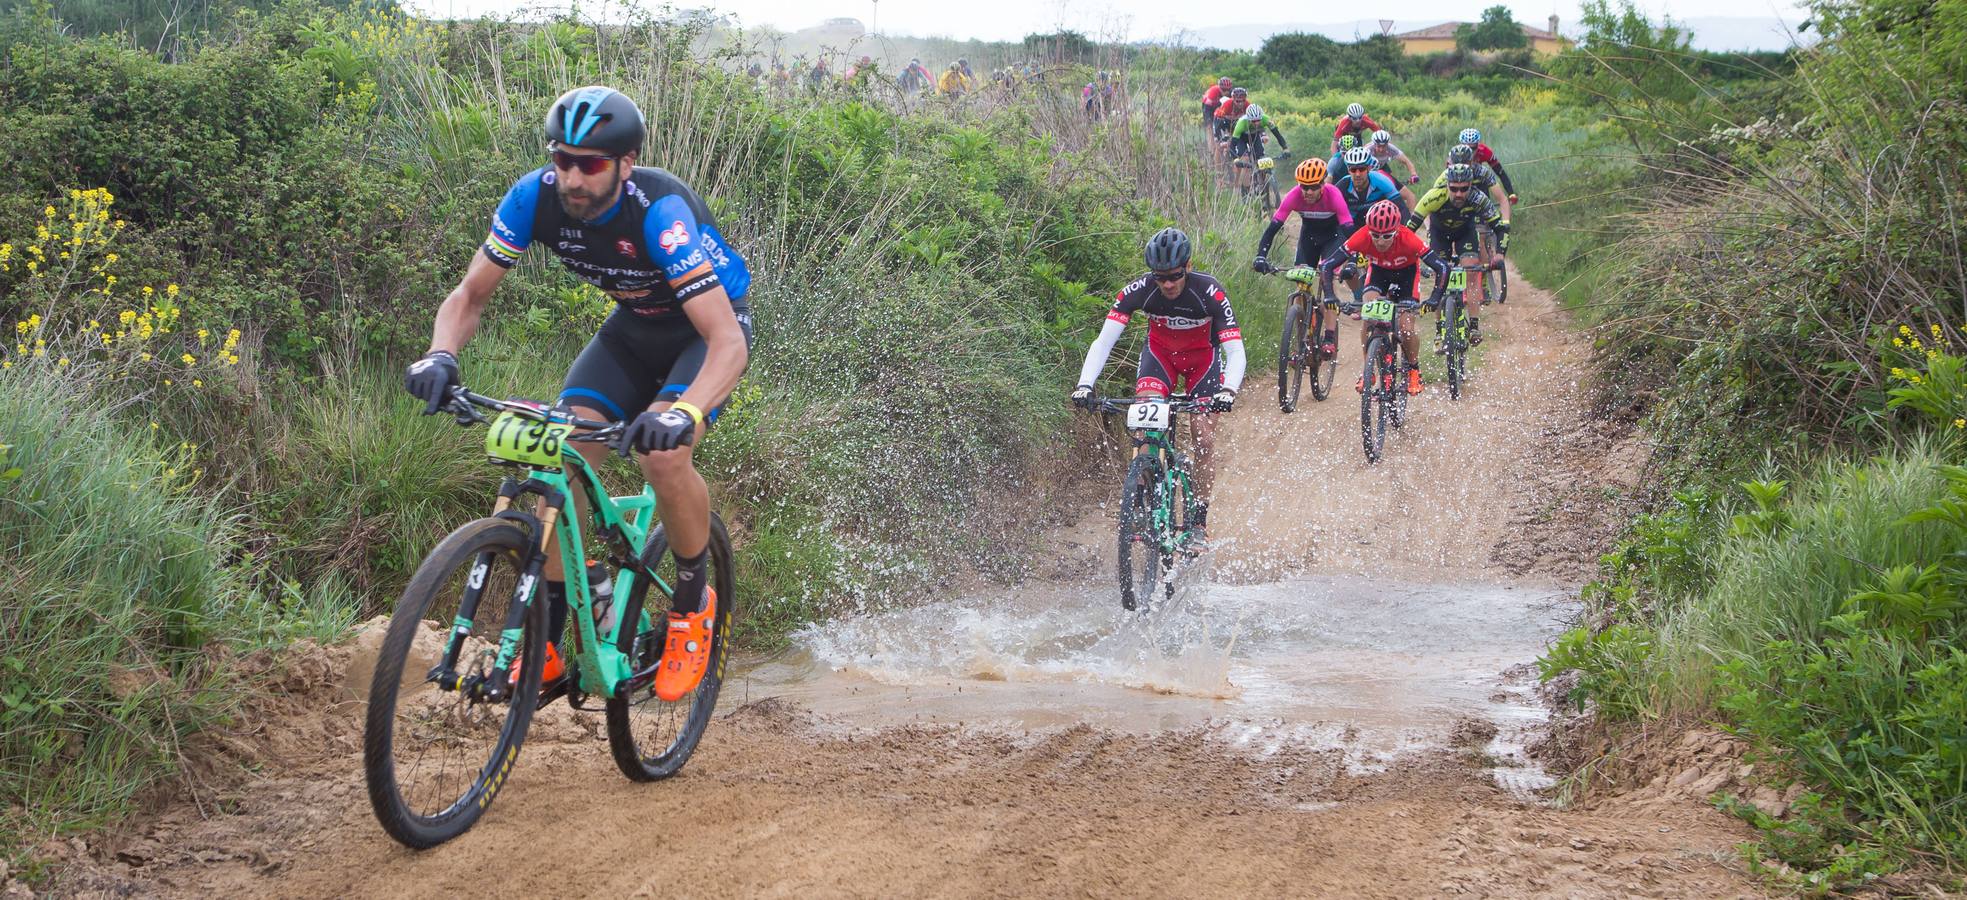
{"x":675,"y":345}
{"x":1384,"y":153}
{"x":1228,"y":111}
{"x":952,"y":83}
{"x":1246,"y":137}
{"x":1324,"y":223}
{"x":1484,"y":181}
{"x":1453,"y":210}
{"x":1483,"y":154}
{"x":1355,"y":122}
{"x":1192,"y":336}
{"x":1213,"y":97}
{"x":1361,"y":187}
{"x":1394,"y":256}
{"x":915,"y":78}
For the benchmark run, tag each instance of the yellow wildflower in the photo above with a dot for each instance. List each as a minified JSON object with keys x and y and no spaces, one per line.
{"x":202,"y":335}
{"x":144,"y":357}
{"x":197,"y":383}
{"x":167,"y":382}
{"x":112,"y":258}
{"x":170,"y":290}
{"x":63,"y":361}
{"x":148,"y":290}
{"x":189,"y":359}
{"x":48,"y":211}
{"x":1905,"y":330}
{"x":1898,"y":372}
{"x":127,"y":316}
{"x":1960,"y":423}
{"x":1936,"y":330}
{"x":153,"y":426}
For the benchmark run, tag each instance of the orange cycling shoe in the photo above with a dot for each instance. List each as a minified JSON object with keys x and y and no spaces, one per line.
{"x":686,"y":656}
{"x":1413,"y":381}
{"x":554,"y":667}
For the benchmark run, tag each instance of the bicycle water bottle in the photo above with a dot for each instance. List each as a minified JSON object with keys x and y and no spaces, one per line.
{"x":602,"y":587}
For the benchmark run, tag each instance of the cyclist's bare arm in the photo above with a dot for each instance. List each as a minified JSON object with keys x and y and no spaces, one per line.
{"x":457,"y":318}
{"x":728,"y":354}
{"x":1413,"y":174}
{"x":1502,"y":199}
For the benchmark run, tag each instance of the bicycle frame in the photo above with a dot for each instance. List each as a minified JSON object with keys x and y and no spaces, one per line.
{"x":1174,"y":477}
{"x":624,"y":522}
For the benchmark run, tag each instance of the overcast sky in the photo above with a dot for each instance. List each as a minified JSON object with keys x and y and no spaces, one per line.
{"x":1130,"y":20}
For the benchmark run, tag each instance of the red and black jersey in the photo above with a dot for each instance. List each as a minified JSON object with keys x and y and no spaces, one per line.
{"x":1199,"y":317}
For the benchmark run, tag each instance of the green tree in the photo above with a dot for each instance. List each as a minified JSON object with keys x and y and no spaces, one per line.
{"x":1496,"y":31}
{"x":1298,"y":54}
{"x":1061,"y":47}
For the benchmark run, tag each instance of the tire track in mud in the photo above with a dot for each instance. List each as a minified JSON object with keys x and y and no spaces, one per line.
{"x":781,"y":801}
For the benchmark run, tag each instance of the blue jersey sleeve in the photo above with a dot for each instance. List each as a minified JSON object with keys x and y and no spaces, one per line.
{"x":512,"y":222}
{"x":1383,"y":188}
{"x":694,"y":257}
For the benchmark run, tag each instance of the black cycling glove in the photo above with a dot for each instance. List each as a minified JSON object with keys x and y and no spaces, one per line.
{"x":431,"y":379}
{"x":654,"y":431}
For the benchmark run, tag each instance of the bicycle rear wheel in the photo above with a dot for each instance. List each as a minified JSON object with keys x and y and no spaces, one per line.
{"x":652,"y":738}
{"x":1291,"y":358}
{"x":1372,"y":403}
{"x":435,"y":756}
{"x":1502,"y":282}
{"x":1324,"y":367}
{"x":1140,"y":547}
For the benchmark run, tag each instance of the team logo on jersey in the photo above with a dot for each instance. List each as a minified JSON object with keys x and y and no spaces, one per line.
{"x":627,"y":247}
{"x":548,"y":178}
{"x":675,"y":236}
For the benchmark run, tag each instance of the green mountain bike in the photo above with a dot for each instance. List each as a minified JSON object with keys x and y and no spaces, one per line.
{"x":458,"y":677}
{"x":1158,"y":506}
{"x":1451,"y":330}
{"x":1299,"y":352}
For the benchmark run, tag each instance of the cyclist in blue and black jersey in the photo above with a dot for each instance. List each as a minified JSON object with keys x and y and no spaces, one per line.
{"x":673,"y":349}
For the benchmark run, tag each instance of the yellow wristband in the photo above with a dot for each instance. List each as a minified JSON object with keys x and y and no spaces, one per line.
{"x":694,"y":412}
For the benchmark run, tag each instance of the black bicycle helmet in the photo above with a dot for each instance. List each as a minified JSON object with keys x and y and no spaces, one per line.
{"x":1461,"y":173}
{"x":1167,"y":249}
{"x":1461,"y":153}
{"x":596,"y":118}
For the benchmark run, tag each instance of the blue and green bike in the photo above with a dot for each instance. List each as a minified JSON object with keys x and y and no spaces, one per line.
{"x":459,"y":673}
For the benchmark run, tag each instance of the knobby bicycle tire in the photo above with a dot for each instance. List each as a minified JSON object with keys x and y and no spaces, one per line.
{"x":637,"y":709}
{"x":1372,"y":402}
{"x":494,"y":540}
{"x":1291,"y":358}
{"x":1452,"y":340}
{"x":1139,"y":560}
{"x":1324,"y":368}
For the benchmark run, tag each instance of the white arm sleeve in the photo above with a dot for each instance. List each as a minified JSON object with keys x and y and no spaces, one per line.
{"x":1233,"y":364}
{"x":1103,"y":346}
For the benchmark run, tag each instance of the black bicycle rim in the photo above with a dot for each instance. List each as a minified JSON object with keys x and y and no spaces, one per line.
{"x":652,"y":738}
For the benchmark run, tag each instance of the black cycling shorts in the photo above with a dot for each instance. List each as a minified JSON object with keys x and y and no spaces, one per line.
{"x":633,"y":361}
{"x":1453,"y":243}
{"x":1316,"y":242}
{"x":1395,"y":284}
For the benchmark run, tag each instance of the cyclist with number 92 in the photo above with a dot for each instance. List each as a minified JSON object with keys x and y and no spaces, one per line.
{"x":666,"y":358}
{"x":1192,"y":336}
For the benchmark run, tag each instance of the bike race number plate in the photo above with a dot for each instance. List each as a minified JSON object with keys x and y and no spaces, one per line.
{"x":1151,"y":416}
{"x":1457,"y":279}
{"x":528,"y":442}
{"x":1377,"y":311}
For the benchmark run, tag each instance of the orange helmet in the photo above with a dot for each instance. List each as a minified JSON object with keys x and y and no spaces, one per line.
{"x":1311,"y":172}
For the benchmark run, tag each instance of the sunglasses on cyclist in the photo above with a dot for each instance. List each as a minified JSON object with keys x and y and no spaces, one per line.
{"x":1169,"y":277}
{"x":1357,"y":168}
{"x":1383,"y":235}
{"x":1458,"y":190}
{"x":589,"y":165}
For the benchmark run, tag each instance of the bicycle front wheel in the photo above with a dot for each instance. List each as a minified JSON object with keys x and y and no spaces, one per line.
{"x":1372,"y":403}
{"x":1291,"y":358}
{"x":436,"y":754}
{"x":1140,"y":545}
{"x":1455,"y":341}
{"x":652,"y":738}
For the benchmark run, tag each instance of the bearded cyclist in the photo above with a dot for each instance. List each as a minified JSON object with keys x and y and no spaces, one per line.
{"x":1394,"y":257}
{"x":1324,"y":222}
{"x":1453,"y":212}
{"x":1355,"y":122}
{"x":1192,"y":336}
{"x":1484,"y":180}
{"x":670,"y":353}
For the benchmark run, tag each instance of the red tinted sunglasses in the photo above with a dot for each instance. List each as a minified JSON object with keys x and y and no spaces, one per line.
{"x":589,"y":165}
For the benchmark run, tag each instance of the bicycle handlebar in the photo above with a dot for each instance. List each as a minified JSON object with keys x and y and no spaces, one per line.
{"x":1120,"y":404}
{"x":465,"y":403}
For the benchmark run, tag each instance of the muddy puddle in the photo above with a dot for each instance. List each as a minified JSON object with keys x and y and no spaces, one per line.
{"x":1376,"y":666}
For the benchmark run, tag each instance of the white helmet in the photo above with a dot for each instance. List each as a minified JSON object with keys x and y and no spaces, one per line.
{"x":1356,"y":111}
{"x":1381,"y":137}
{"x":1358,"y":156}
{"x":1254,"y":113}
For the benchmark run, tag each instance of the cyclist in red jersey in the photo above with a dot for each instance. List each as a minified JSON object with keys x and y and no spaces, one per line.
{"x":1355,"y":122}
{"x":1484,"y":155}
{"x":1213,"y":97}
{"x":1394,"y":257}
{"x":1192,"y":339}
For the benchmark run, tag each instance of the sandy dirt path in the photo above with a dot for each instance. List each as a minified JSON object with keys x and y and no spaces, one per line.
{"x":784,"y":801}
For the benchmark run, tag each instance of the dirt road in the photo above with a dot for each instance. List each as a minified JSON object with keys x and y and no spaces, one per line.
{"x":1338,"y":707}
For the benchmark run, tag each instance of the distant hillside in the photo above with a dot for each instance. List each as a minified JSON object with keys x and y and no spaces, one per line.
{"x":1710,"y":32}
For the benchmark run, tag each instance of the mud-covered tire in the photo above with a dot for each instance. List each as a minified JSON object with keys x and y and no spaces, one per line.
{"x":652,"y":739}
{"x":1457,"y":350}
{"x":448,"y":721}
{"x":1372,"y":402}
{"x":1291,"y":358}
